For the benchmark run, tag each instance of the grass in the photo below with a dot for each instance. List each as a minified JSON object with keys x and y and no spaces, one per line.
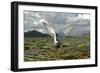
{"x":41,"y":49}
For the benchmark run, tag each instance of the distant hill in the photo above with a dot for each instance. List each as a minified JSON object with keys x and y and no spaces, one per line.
{"x":35,"y":33}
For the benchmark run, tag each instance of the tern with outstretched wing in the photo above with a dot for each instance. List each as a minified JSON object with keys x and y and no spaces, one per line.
{"x":58,"y":39}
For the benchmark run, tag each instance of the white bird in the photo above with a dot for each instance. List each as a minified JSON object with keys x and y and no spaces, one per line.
{"x":58,"y":39}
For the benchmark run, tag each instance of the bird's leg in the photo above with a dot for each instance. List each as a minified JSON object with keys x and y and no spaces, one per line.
{"x":61,"y":46}
{"x":59,"y":50}
{"x":53,"y":47}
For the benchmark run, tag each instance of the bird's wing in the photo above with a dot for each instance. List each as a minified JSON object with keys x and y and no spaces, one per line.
{"x":64,"y":33}
{"x":48,"y":28}
{"x":68,"y":28}
{"x":61,"y":36}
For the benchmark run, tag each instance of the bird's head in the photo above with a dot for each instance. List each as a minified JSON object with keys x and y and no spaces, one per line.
{"x":58,"y":44}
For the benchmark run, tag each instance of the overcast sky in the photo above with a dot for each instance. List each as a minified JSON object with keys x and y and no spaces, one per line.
{"x":58,"y":21}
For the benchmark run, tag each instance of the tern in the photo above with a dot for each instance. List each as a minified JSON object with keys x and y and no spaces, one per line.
{"x":59,"y":37}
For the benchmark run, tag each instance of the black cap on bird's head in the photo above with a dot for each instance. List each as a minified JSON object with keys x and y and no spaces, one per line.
{"x":58,"y":44}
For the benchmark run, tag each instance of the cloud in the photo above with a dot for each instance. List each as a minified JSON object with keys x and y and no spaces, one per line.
{"x":58,"y":21}
{"x":84,"y":16}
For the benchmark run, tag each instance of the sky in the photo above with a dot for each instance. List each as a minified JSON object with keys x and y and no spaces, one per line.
{"x":58,"y":21}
